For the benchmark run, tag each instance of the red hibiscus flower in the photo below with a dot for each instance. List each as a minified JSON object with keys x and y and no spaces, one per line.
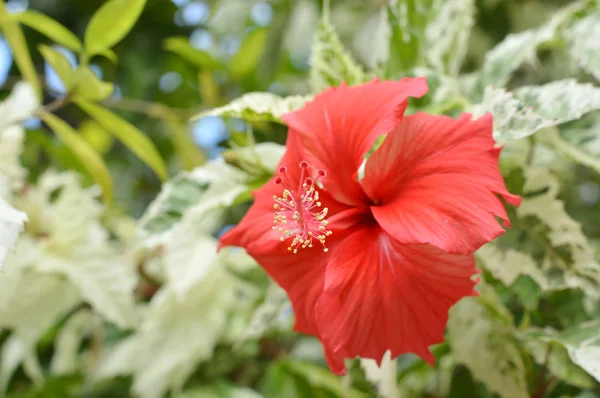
{"x":374,"y":263}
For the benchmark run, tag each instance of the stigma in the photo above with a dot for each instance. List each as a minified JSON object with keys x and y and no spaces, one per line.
{"x":299,"y":214}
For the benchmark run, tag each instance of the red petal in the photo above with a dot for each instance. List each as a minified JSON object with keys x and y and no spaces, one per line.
{"x":301,"y":275}
{"x":382,"y":295}
{"x":341,"y":124}
{"x":436,"y":181}
{"x":255,"y":233}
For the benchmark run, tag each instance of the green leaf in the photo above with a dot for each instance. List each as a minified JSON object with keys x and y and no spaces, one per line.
{"x":330,"y":63}
{"x":251,"y":49}
{"x":110,"y":55}
{"x":87,"y":85}
{"x":408,"y":20}
{"x":318,"y":377}
{"x":518,"y":48}
{"x":100,"y":139}
{"x":447,"y":35}
{"x":181,"y":46}
{"x":59,"y":63}
{"x":188,"y":152}
{"x":547,"y":349}
{"x":133,"y":138}
{"x":482,"y":338}
{"x":88,"y":157}
{"x":49,"y":27}
{"x":15,"y":38}
{"x":221,"y":390}
{"x":257,"y":107}
{"x":583,"y":44}
{"x":110,"y":24}
{"x":532,"y":108}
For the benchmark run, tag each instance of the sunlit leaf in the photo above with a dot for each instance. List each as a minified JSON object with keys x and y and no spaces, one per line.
{"x":86,"y":85}
{"x":110,"y":55}
{"x":182,"y":47}
{"x":111,"y":23}
{"x":251,"y":49}
{"x":14,"y":35}
{"x":100,"y":139}
{"x":133,"y":138}
{"x":59,"y":63}
{"x":88,"y":157}
{"x":188,"y":152}
{"x":49,"y":27}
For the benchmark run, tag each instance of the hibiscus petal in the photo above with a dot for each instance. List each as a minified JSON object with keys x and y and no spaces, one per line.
{"x":301,"y":274}
{"x":255,"y":233}
{"x":382,"y":295}
{"x":341,"y":125}
{"x":436,"y":180}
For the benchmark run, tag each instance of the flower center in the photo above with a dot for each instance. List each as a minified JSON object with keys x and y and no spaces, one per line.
{"x":298,"y":212}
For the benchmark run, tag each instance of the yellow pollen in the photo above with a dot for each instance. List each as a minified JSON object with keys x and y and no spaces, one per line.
{"x":299,"y":204}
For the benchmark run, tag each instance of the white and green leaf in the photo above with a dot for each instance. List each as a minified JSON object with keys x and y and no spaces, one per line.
{"x":331,"y":64}
{"x":484,"y":327}
{"x":583,"y":44}
{"x":258,"y":107}
{"x":532,"y":108}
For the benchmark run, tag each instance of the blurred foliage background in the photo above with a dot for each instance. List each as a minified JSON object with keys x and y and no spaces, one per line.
{"x":184,"y":56}
{"x":162,"y":330}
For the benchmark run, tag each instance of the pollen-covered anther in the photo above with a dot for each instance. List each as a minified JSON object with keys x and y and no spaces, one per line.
{"x":300,"y":209}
